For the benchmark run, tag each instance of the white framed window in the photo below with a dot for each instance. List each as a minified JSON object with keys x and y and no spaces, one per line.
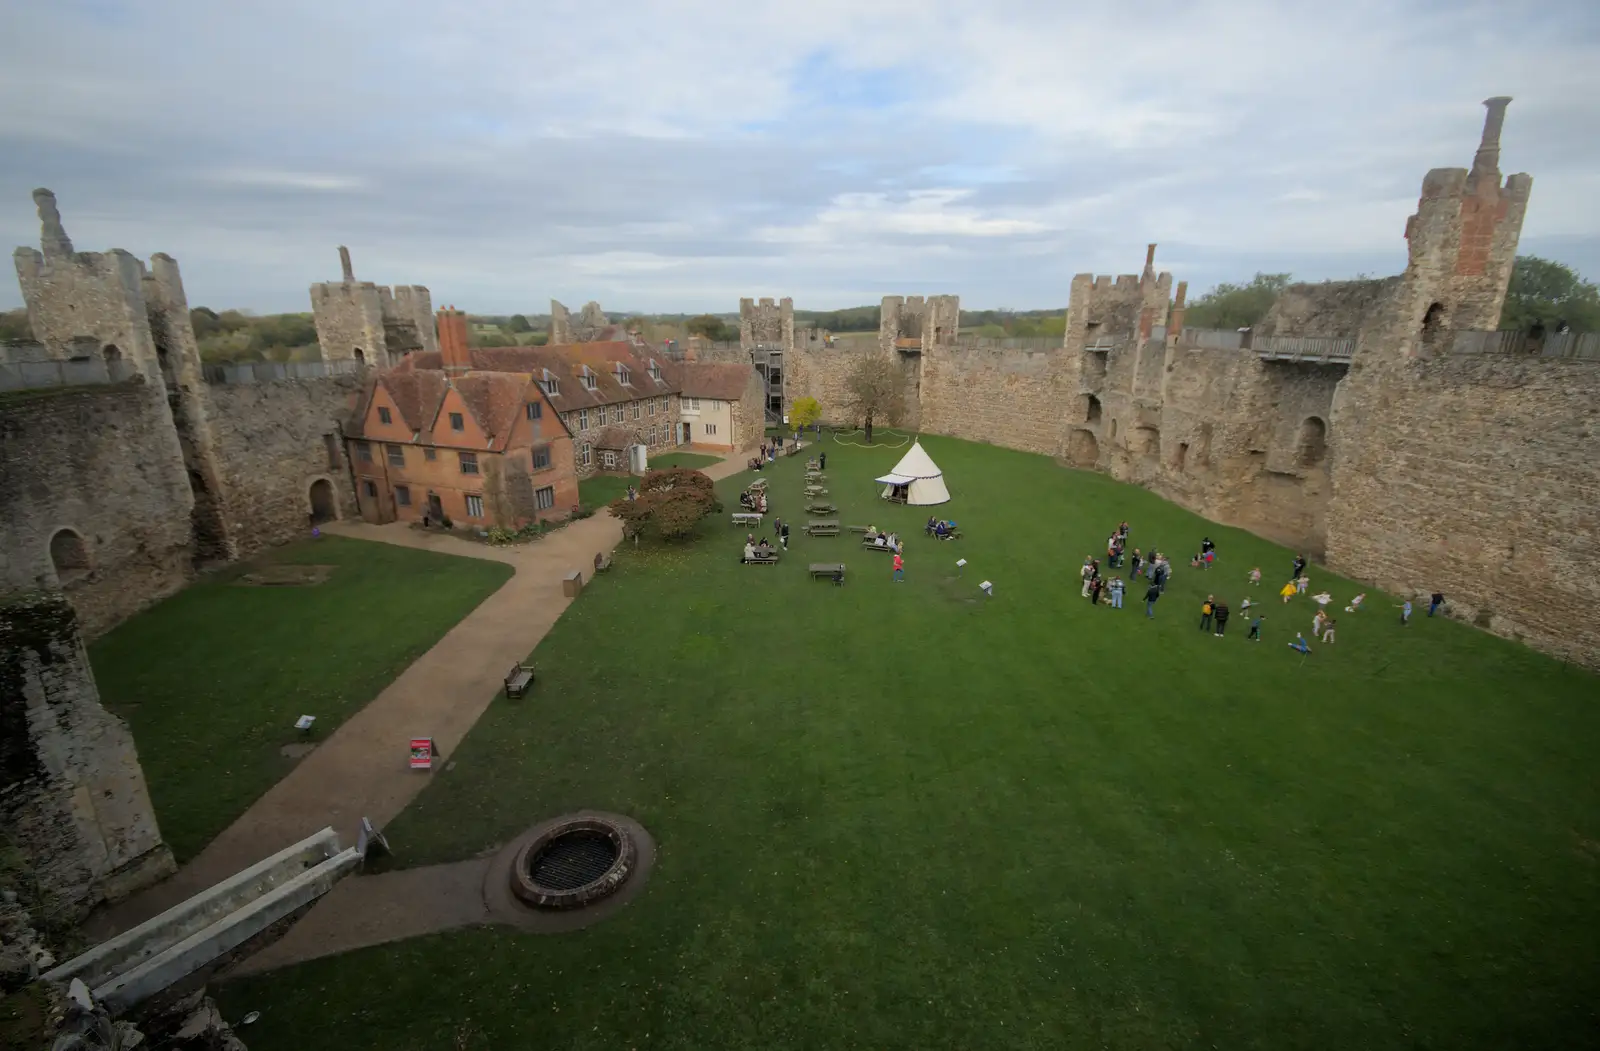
{"x":585,"y":454}
{"x":583,"y":419}
{"x":397,"y":455}
{"x":624,"y":377}
{"x":550,"y":384}
{"x":711,"y":428}
{"x":666,"y":405}
{"x":541,"y":458}
{"x":608,"y":459}
{"x":652,"y":406}
{"x":655,"y":370}
{"x":364,"y":452}
{"x":616,"y":414}
{"x":474,"y":506}
{"x":638,"y":411}
{"x":689,"y":404}
{"x":544,"y":498}
{"x":469,"y":462}
{"x":590,"y":381}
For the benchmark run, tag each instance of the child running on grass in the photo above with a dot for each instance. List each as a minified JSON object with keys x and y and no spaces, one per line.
{"x":1299,"y":644}
{"x":1255,"y":577}
{"x":1287,"y":591}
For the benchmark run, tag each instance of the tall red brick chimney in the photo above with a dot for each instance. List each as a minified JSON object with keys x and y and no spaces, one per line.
{"x":453,"y":349}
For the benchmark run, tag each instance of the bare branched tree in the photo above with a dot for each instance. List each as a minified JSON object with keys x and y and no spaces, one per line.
{"x":875,"y":390}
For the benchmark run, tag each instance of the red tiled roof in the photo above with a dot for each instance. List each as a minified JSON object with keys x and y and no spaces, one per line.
{"x":495,"y":399}
{"x":567,"y":362}
{"x":716,"y":381}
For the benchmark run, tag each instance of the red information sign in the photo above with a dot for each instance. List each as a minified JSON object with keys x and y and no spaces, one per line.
{"x":422,"y":751}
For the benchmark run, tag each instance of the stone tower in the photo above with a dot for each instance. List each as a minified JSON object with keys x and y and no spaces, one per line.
{"x":374,"y":324}
{"x":1462,"y":245}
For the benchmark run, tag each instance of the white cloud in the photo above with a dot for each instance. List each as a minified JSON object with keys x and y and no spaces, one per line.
{"x":677,"y":156}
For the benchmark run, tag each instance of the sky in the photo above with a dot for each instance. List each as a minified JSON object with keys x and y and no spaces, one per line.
{"x":675,"y":156}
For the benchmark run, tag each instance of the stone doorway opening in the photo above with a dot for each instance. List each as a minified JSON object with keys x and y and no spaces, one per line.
{"x":323,"y":506}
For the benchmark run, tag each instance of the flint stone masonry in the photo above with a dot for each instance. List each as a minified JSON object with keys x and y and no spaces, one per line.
{"x":105,"y":463}
{"x":274,"y":441}
{"x":72,"y":794}
{"x":767,"y":324}
{"x":1330,"y":308}
{"x":590,"y":325}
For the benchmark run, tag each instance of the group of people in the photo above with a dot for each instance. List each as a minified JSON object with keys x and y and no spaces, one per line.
{"x":753,"y":550}
{"x":1098,"y":588}
{"x":940,"y":529}
{"x":754,"y":500}
{"x":1207,"y":555}
{"x":886,"y":540}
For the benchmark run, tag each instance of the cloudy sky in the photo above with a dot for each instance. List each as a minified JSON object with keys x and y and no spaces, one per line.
{"x":677,"y":155}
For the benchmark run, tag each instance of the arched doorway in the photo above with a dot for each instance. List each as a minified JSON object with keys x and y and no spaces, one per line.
{"x":113,"y":358}
{"x":323,"y":506}
{"x":1433,"y":326}
{"x":69,"y":555}
{"x":1092,"y":409}
{"x":361,"y":359}
{"x":1313,"y":445}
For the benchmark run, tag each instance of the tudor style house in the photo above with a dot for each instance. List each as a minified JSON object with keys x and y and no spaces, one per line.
{"x":721,"y":406}
{"x":610,"y":395}
{"x":439,"y":437}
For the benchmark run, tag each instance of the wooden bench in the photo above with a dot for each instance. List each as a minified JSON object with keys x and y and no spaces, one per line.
{"x":747,"y":518}
{"x":833,"y":571}
{"x":821,"y":509}
{"x":602,"y":562}
{"x":518,"y":680}
{"x":756,"y":486}
{"x":813,"y":464}
{"x":857,"y":529}
{"x":822,"y":527}
{"x":815,"y":490}
{"x":872,"y":545}
{"x":768,"y":558}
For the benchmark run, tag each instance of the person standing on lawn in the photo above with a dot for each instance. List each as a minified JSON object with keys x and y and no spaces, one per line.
{"x":1150,"y":600}
{"x":1221,"y":612}
{"x":1255,"y":629}
{"x":1405,"y":613}
{"x":1116,"y":592}
{"x":1206,"y":610}
{"x":899,"y":568}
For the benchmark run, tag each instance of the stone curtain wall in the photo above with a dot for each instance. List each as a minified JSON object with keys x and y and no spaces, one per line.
{"x":348,"y":318}
{"x":1476,"y":477}
{"x":72,"y":794}
{"x":1004,"y":397}
{"x":272,"y":442}
{"x":820,"y":372}
{"x":1330,"y":308}
{"x":749,"y":414}
{"x":104,"y":462}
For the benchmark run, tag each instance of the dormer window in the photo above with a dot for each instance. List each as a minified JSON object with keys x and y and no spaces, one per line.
{"x":623,"y":376}
{"x":590,"y":381}
{"x":655,"y":370}
{"x":551,"y":387}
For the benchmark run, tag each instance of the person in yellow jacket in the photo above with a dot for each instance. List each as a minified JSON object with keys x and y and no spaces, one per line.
{"x":1287,"y":591}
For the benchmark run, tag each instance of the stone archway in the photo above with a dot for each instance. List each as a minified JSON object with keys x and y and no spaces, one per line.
{"x":1083,"y":449}
{"x":69,"y":555}
{"x":1313,"y":445}
{"x":324,"y":503}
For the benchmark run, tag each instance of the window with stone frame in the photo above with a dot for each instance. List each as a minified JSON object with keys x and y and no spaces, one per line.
{"x":474,"y":506}
{"x":585,"y":454}
{"x":652,"y":406}
{"x":544,"y":498}
{"x":383,"y":415}
{"x":397,"y":455}
{"x":617,"y":414}
{"x":638,"y":411}
{"x":666,"y":405}
{"x":583,"y":419}
{"x":469,"y":462}
{"x":608,"y":459}
{"x":541,"y":457}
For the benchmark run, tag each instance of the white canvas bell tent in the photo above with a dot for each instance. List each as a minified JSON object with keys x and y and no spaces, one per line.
{"x":915,"y":480}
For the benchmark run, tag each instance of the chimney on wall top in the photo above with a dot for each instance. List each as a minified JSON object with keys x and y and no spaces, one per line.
{"x":1487,"y":159}
{"x":347,"y":267}
{"x":454,"y":354}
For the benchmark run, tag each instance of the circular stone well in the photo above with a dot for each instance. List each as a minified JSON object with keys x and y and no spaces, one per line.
{"x":569,"y":872}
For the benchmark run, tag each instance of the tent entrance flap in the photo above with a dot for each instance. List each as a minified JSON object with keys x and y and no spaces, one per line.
{"x":895,"y":479}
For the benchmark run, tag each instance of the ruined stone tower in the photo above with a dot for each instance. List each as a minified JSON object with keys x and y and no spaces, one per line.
{"x":373,"y":324}
{"x":766,"y":333}
{"x":590,"y":326}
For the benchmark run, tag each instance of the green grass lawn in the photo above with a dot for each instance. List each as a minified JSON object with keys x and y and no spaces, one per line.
{"x":897,"y":815}
{"x":601,"y":489}
{"x":212,"y":679}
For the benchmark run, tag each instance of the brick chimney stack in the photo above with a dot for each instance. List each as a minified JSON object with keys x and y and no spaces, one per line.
{"x":453,"y":340}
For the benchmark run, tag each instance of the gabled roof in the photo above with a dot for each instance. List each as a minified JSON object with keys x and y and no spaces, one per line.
{"x":713,"y":380}
{"x":567,"y":361}
{"x":494,"y":399}
{"x":616,"y":436}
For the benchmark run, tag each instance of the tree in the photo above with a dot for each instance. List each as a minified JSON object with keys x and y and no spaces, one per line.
{"x":14,"y":325}
{"x":1545,"y":291}
{"x":518,"y":323}
{"x":711,"y":327}
{"x":1237,"y":306}
{"x":804,"y":412}
{"x":875,"y":390}
{"x":671,"y":503}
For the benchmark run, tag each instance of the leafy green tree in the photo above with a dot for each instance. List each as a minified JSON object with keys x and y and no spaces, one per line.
{"x":14,"y":325}
{"x":1236,"y":306}
{"x":1544,"y":291}
{"x":518,"y":323}
{"x":804,"y":412}
{"x":875,"y":391}
{"x":709,"y":326}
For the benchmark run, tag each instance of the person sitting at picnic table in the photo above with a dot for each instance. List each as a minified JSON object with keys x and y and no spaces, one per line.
{"x":749,"y":551}
{"x":933,"y":524}
{"x":764,"y":547}
{"x":761,"y":502}
{"x":942,"y":530}
{"x":878,"y":539}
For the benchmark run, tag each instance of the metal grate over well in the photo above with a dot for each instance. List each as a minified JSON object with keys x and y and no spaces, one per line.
{"x":573,"y":860}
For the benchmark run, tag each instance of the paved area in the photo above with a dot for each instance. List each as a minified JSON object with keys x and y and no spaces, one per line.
{"x":361,"y":770}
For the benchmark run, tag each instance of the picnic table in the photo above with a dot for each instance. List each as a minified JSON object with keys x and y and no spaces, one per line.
{"x":823,"y":527}
{"x":821,"y":509}
{"x":816,"y":490}
{"x":813,"y":464}
{"x":833,"y":571}
{"x":747,"y":518}
{"x":761,"y":558}
{"x":756,"y":486}
{"x":871,"y":543}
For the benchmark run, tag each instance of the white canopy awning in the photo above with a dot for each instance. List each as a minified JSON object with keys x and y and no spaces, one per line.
{"x":895,"y":479}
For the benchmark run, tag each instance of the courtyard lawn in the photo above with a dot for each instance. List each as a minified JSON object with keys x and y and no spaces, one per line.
{"x":212,"y":679}
{"x":904,"y":816}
